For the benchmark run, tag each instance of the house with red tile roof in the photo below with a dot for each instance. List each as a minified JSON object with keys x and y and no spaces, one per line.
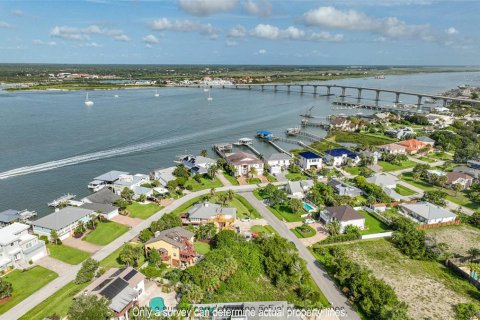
{"x":412,"y":146}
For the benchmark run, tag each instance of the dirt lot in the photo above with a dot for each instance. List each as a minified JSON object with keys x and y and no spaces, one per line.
{"x":427,"y":287}
{"x":459,"y":238}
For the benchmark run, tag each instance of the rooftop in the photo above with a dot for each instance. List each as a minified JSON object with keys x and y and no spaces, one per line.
{"x":208,"y":210}
{"x":239,"y":158}
{"x":428,"y":210}
{"x":9,"y":215}
{"x":339,"y":152}
{"x":99,"y":207}
{"x":10,"y":233}
{"x":309,"y":155}
{"x":62,"y":218}
{"x":279,"y":156}
{"x":344,"y":213}
{"x":111,"y":176}
{"x":177,"y":237}
{"x":105,"y":196}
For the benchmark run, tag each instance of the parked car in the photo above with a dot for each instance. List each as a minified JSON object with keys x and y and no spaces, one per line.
{"x":309,"y":221}
{"x":245,"y":219}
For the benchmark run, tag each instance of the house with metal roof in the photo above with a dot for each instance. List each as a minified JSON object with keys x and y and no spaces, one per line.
{"x":203,"y":213}
{"x":129,"y":181}
{"x":63,"y":221}
{"x":345,"y":215}
{"x":164,"y":175}
{"x":175,"y":246}
{"x":104,"y":180}
{"x":278,"y":162}
{"x":18,"y":247}
{"x":10,"y":216}
{"x":106,"y":210}
{"x":341,"y":156}
{"x":344,"y":189}
{"x":122,"y":287}
{"x":427,"y":213}
{"x":309,"y":159}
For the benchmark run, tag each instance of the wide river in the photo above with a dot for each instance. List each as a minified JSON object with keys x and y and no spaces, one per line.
{"x":51,"y":143}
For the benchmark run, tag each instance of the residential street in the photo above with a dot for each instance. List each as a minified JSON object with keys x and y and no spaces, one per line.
{"x":321,"y":278}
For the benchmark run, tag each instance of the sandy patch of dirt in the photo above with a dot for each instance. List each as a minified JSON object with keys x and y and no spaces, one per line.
{"x":459,"y":238}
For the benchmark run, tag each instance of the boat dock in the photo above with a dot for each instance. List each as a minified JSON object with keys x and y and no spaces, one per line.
{"x":222,"y":148}
{"x":65,"y":199}
{"x":307,"y":123}
{"x":398,"y":108}
{"x":276,"y":146}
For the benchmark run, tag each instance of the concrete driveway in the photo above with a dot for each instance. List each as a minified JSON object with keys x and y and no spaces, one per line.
{"x":245,"y":226}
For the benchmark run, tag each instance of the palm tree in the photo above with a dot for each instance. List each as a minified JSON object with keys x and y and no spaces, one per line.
{"x":6,"y":289}
{"x":204,"y":153}
{"x":230,"y":195}
{"x":212,"y":171}
{"x":212,"y":192}
{"x":333,"y":228}
{"x":252,"y":171}
{"x":474,"y":253}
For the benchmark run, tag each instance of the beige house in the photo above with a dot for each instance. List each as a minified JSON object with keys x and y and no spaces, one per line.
{"x":244,"y":162}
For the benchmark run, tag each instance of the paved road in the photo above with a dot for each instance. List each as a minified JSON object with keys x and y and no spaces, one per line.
{"x":68,"y":276}
{"x":321,"y":278}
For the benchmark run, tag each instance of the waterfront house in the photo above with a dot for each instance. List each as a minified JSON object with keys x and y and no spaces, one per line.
{"x":413,"y":146}
{"x":244,"y":162}
{"x":139,"y":191}
{"x":440,"y":120}
{"x":342,"y":124}
{"x":104,"y":196}
{"x":106,"y":179}
{"x":309,"y":160}
{"x":392,"y":148}
{"x":129,"y":181}
{"x":63,"y":221}
{"x":105,"y":210}
{"x":460,"y":178}
{"x":375,"y":155}
{"x":175,"y":247}
{"x":298,"y":189}
{"x":203,"y":213}
{"x":278,"y":162}
{"x":427,"y":213}
{"x":345,"y":215}
{"x":196,"y":164}
{"x":426,"y":140}
{"x":343,"y":189}
{"x":121,"y":287}
{"x":164,"y":175}
{"x":10,"y":216}
{"x":18,"y":247}
{"x":341,"y":156}
{"x":400,"y":133}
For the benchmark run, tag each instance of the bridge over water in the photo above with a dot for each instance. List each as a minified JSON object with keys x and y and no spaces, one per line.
{"x":342,"y":90}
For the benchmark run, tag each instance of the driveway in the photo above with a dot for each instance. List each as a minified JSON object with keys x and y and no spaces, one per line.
{"x":80,"y":244}
{"x":245,"y":226}
{"x":61,"y":268}
{"x":127,"y":221}
{"x":320,"y":276}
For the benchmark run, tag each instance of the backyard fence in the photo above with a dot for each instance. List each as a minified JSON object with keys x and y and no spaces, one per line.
{"x":436,"y":225}
{"x":377,"y":235}
{"x":454,"y":265}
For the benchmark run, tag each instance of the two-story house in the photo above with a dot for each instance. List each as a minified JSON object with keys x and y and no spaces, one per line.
{"x":18,"y":247}
{"x":308,"y":160}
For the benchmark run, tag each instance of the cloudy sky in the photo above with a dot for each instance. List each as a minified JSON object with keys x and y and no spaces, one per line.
{"x":406,"y":32}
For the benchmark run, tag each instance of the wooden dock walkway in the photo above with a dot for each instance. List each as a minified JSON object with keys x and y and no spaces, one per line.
{"x":276,"y":146}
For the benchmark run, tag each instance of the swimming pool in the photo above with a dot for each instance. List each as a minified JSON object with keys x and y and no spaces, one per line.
{"x":157,"y":304}
{"x":308,"y":207}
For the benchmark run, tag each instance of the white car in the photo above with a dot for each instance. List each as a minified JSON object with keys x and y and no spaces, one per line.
{"x":309,"y":221}
{"x":245,"y":219}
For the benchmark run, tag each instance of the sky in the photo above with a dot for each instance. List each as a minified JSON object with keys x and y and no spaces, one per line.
{"x":346,"y":32}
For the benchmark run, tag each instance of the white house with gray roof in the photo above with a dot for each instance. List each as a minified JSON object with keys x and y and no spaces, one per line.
{"x":18,"y":247}
{"x":164,"y":175}
{"x":63,"y":221}
{"x":130,"y":182}
{"x":278,"y":162}
{"x":106,"y":179}
{"x":106,"y":210}
{"x":298,"y":189}
{"x":388,"y":183}
{"x":344,"y":189}
{"x":427,"y":213}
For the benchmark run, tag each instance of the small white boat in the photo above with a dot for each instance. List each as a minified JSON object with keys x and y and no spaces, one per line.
{"x":88,"y":102}
{"x":157,"y":94}
{"x":116,"y":96}
{"x":209,"y":96}
{"x":205,"y":90}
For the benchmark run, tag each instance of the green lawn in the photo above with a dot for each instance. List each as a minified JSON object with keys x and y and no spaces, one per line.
{"x":58,"y":303}
{"x":24,"y":283}
{"x":304,"y":231}
{"x":426,"y":159}
{"x":404,"y":191}
{"x":363,"y":139}
{"x":324,"y":145}
{"x":142,"y":211}
{"x":263,"y":229}
{"x":111,"y":261}
{"x":67,"y":254}
{"x":387,"y":166}
{"x":440,"y":155}
{"x":205,"y":183}
{"x":254,"y":181}
{"x":201,"y":247}
{"x":232,"y":180}
{"x":372,"y":224}
{"x":352,"y":170}
{"x":270,"y":178}
{"x":283,"y":212}
{"x":296,"y":176}
{"x":459,"y":198}
{"x":105,"y":233}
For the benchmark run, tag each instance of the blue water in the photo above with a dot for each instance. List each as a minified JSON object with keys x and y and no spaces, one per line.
{"x":137,"y":132}
{"x":307,"y":207}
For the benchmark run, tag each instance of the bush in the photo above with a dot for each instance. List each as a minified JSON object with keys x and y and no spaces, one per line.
{"x":341,"y":238}
{"x":87,"y":271}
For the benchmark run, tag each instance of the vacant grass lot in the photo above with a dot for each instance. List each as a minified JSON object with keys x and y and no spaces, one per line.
{"x":205,"y":183}
{"x":67,"y":254}
{"x":459,"y":238}
{"x":428,"y":287}
{"x":362,"y":139}
{"x":142,"y":211}
{"x":105,"y":233}
{"x":372,"y":224}
{"x":296,"y":176}
{"x":24,"y":283}
{"x":282,"y":212}
{"x":263,"y":229}
{"x":387,"y":166}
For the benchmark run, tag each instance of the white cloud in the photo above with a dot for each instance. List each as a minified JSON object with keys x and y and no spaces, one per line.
{"x":203,"y":8}
{"x":451,"y":31}
{"x":5,"y":25}
{"x":79,"y":34}
{"x":266,"y":31}
{"x":358,"y":21}
{"x":238,"y":32}
{"x":17,"y":13}
{"x":262,"y":8}
{"x":165,"y":24}
{"x":262,"y":51}
{"x":44,"y":43}
{"x":150,"y":39}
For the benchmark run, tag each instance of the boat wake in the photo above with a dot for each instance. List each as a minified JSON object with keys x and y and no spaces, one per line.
{"x":115,"y":152}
